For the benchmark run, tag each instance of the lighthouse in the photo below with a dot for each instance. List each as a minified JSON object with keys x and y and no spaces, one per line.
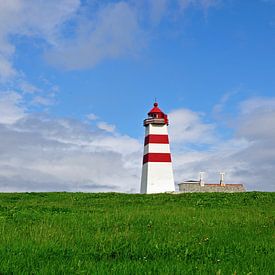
{"x":157,"y":171}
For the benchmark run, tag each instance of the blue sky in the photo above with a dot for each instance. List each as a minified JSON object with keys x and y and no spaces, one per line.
{"x":78,"y":77}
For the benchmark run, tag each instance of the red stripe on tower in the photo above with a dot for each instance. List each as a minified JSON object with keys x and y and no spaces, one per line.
{"x":162,"y":139}
{"x":157,"y":157}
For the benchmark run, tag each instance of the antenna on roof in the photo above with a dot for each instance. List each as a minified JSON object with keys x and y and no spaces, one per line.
{"x":155,"y":100}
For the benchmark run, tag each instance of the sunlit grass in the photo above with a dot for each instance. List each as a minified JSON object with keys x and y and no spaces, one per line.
{"x":53,"y":233}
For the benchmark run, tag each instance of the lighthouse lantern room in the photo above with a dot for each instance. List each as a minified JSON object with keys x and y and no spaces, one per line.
{"x":157,"y":171}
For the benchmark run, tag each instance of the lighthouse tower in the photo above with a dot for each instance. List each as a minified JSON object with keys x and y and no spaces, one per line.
{"x":157,"y":171}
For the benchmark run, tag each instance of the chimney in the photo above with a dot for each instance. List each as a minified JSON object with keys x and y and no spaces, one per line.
{"x":201,"y":178}
{"x":222,"y":179}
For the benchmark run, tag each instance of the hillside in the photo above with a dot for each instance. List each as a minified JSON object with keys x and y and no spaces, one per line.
{"x":109,"y":233}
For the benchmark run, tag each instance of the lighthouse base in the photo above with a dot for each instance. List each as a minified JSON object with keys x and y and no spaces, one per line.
{"x":157,"y":177}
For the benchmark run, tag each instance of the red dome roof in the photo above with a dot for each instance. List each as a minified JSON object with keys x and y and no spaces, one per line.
{"x":156,"y":116}
{"x":155,"y":110}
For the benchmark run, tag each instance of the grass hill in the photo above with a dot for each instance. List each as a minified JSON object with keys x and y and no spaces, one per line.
{"x":109,"y":233}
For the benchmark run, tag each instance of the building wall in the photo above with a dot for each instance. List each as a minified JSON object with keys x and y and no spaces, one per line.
{"x":196,"y":187}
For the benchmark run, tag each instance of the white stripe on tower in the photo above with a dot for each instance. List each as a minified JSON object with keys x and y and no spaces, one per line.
{"x":157,"y":172}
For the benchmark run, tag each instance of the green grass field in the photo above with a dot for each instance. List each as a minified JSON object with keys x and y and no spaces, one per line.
{"x":78,"y":233}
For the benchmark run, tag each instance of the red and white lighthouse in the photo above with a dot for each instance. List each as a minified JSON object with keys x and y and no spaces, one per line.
{"x":157,"y":171}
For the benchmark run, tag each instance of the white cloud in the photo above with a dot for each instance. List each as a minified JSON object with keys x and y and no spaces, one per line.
{"x":28,"y":88}
{"x":42,"y":101}
{"x":188,"y":127}
{"x":106,"y":126}
{"x":39,"y":18}
{"x":91,"y":116}
{"x":39,"y":153}
{"x":257,"y":121}
{"x":257,"y":104}
{"x":218,"y":109}
{"x":11,"y":109}
{"x":248,"y":157}
{"x":220,"y":157}
{"x":78,"y":35}
{"x":113,"y":32}
{"x":33,"y":18}
{"x":44,"y":154}
{"x":6,"y":69}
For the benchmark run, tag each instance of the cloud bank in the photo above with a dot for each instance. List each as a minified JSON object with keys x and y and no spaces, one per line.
{"x":248,"y":157}
{"x":79,"y":35}
{"x":42,"y":19}
{"x":42,"y":153}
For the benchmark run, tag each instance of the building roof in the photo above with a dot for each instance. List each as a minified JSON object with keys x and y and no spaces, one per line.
{"x":210,"y":184}
{"x":155,"y":110}
{"x":227,"y":184}
{"x":158,"y":116}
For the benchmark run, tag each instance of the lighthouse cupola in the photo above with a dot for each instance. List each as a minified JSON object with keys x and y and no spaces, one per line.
{"x":156,"y":116}
{"x":157,"y":172}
